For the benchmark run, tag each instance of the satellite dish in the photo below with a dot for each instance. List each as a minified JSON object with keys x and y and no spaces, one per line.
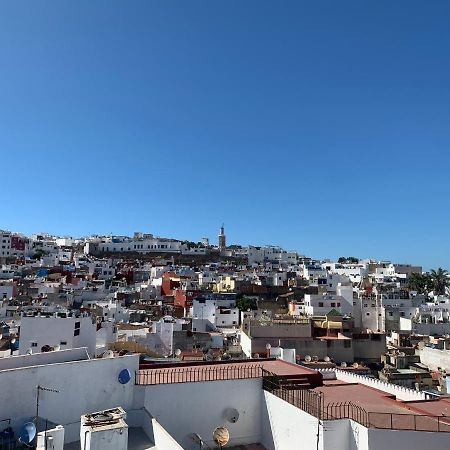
{"x":108,"y":354}
{"x":27,"y":433}
{"x":326,"y":359}
{"x":124,"y":376}
{"x":232,"y":415}
{"x":308,"y":358}
{"x":343,"y":364}
{"x":29,"y":351}
{"x":355,"y":365}
{"x":177,"y":352}
{"x":221,"y":436}
{"x":315,"y":358}
{"x":57,"y":348}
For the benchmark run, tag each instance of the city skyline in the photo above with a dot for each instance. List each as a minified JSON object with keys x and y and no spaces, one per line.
{"x":214,"y":241}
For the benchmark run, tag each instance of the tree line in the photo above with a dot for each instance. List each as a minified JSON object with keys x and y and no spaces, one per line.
{"x":436,"y":281}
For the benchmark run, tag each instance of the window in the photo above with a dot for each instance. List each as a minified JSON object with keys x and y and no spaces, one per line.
{"x":34,"y":344}
{"x":338,"y":303}
{"x":333,"y":304}
{"x":63,"y":343}
{"x":367,"y":314}
{"x":320,"y":304}
{"x":76,"y":332}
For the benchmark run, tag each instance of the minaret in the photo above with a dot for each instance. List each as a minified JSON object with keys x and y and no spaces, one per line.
{"x":222,"y":239}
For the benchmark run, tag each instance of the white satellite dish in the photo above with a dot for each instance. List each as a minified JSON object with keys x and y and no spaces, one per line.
{"x":315,"y":358}
{"x":232,"y":415}
{"x":108,"y":354}
{"x":326,"y":359}
{"x":177,"y":352}
{"x":29,"y":351}
{"x":307,"y":358}
{"x":343,"y":364}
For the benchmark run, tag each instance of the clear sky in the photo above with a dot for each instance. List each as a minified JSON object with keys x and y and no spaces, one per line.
{"x":320,"y":126}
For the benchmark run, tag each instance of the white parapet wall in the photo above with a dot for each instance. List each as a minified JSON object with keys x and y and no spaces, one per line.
{"x":51,"y":439}
{"x":400,"y":392}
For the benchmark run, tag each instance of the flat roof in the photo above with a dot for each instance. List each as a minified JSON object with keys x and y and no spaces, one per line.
{"x":377,"y":401}
{"x":221,"y":370}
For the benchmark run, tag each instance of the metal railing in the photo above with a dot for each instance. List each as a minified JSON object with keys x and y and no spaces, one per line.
{"x":346,"y":410}
{"x":414,"y":422}
{"x":294,"y":392}
{"x":171,"y":375}
{"x":312,"y":402}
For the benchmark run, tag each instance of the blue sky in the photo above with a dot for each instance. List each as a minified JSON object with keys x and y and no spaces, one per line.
{"x":319,"y":126}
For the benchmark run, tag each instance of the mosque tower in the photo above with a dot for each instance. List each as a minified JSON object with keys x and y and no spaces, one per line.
{"x":222,"y":238}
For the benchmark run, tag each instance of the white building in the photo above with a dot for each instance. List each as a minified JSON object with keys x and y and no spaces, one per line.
{"x":145,"y":243}
{"x":270,"y":254}
{"x":321,"y":305}
{"x":218,"y":309}
{"x":63,"y":331}
{"x":160,"y":339}
{"x":7,"y":289}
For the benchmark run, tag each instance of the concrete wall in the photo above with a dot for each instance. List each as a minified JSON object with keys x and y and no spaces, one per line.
{"x":300,"y":330}
{"x":434,"y":358}
{"x":51,"y":439}
{"x":177,"y":407}
{"x":430,"y":329}
{"x":286,"y":427}
{"x":407,"y":440}
{"x":369,"y":349}
{"x":61,"y":356}
{"x":163,"y":440}
{"x":84,"y":386}
{"x":246,"y":344}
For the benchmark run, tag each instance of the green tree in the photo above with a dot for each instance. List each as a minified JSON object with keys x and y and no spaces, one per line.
{"x":245,"y":303}
{"x":439,"y":281}
{"x":348,"y":260}
{"x":419,"y":282}
{"x":39,"y":253}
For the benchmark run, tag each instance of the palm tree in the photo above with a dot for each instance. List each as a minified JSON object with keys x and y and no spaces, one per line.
{"x":440,"y":281}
